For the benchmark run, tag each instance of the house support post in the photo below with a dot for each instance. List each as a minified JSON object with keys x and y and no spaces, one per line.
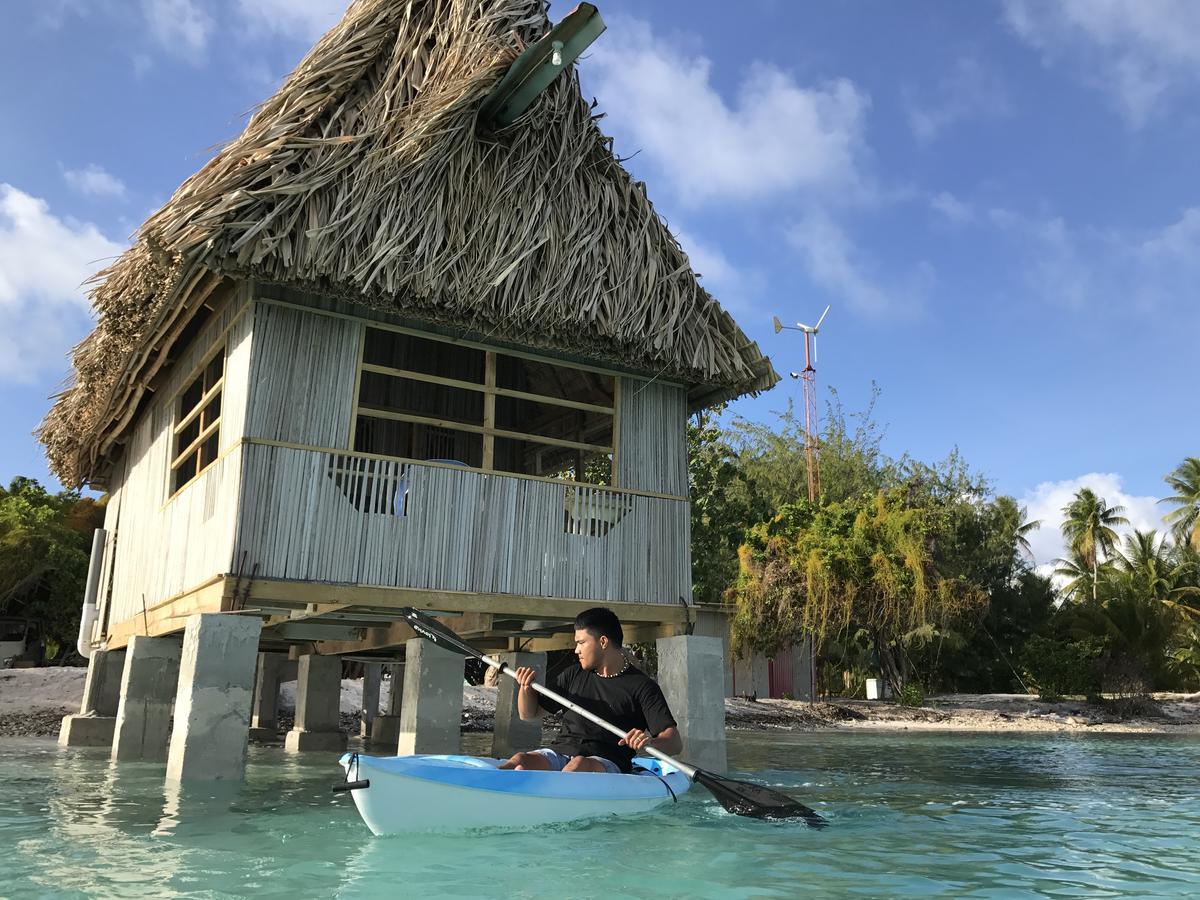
{"x":372,"y":676}
{"x":431,"y":711}
{"x":385,"y":730}
{"x":510,"y":733}
{"x":264,"y":713}
{"x":691,"y":672}
{"x":212,"y":706}
{"x":318,"y":705}
{"x":96,"y":720}
{"x":148,"y":687}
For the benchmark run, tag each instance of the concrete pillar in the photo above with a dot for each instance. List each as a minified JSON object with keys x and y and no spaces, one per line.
{"x":803,"y":683}
{"x":691,"y":674}
{"x":385,"y":730}
{"x":264,"y":711}
{"x":431,"y":711}
{"x":318,"y":705}
{"x":93,"y":725}
{"x":752,"y":677}
{"x":148,"y":687}
{"x":212,"y":706}
{"x":715,"y":624}
{"x":510,"y":734}
{"x":372,"y":676}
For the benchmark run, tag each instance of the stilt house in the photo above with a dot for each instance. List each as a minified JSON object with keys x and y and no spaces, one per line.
{"x":383,"y":351}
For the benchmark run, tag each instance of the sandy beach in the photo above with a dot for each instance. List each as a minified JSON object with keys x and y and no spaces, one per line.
{"x":33,"y":702}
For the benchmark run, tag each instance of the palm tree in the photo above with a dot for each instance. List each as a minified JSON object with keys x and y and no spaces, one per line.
{"x":1090,"y":529}
{"x":1185,"y":482}
{"x":1078,"y":574}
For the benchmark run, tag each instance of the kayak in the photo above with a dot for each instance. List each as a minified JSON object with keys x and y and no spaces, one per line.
{"x":443,"y":793}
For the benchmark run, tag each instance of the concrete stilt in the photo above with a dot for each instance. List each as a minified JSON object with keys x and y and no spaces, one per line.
{"x":318,"y":705}
{"x":212,"y":706}
{"x":93,"y":725}
{"x":691,"y":672}
{"x":372,"y":677}
{"x":148,"y":687}
{"x":264,"y":712}
{"x":385,"y":730}
{"x":431,"y":714}
{"x":510,"y":734}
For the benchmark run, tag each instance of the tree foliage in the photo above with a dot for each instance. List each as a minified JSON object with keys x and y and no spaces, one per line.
{"x":45,"y":543}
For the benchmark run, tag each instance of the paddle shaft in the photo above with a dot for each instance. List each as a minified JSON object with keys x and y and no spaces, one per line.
{"x":506,"y":669}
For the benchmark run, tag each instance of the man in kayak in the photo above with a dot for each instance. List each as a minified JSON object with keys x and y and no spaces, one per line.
{"x":605,"y":683}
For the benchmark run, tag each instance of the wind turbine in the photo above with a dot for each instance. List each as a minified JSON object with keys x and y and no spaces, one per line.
{"x":812,"y":451}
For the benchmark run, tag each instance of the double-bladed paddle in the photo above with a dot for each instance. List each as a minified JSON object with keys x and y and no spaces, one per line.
{"x":739,"y":797}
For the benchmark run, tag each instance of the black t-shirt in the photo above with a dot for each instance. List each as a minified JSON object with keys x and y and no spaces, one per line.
{"x":629,"y":700}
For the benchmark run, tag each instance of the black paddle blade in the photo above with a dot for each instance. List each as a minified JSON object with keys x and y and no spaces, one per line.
{"x":433,"y":630}
{"x":745,"y":799}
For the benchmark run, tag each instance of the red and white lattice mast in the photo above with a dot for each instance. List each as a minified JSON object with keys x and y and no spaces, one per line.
{"x":812,"y":448}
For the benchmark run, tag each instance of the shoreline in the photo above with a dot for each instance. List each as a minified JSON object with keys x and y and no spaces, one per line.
{"x":33,"y":702}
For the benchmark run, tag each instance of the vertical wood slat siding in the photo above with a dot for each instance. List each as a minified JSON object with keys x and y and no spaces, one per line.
{"x":303,"y":376}
{"x":165,"y":548}
{"x":329,"y":517}
{"x":653,"y":451}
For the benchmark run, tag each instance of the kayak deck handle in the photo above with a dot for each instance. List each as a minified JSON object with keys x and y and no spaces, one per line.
{"x":351,"y":786}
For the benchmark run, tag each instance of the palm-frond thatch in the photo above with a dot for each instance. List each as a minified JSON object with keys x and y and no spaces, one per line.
{"x":367,"y":176}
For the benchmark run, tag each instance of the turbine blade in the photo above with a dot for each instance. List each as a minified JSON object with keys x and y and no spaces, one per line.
{"x":822,"y":319}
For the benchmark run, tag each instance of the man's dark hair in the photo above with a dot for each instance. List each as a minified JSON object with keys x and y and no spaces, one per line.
{"x":600,"y":621}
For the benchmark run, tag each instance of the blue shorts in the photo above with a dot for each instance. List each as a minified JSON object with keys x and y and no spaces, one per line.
{"x":557,"y":760}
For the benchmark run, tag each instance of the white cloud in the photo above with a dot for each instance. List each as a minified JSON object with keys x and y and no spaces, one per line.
{"x":967,"y":90}
{"x":774,"y":136}
{"x":94,"y":181}
{"x":44,"y":260}
{"x":302,"y":19}
{"x":1140,"y":51}
{"x":734,"y":287}
{"x":181,"y":26}
{"x":952,"y":208}
{"x":1046,"y":501}
{"x":836,"y":264}
{"x":1098,"y":269}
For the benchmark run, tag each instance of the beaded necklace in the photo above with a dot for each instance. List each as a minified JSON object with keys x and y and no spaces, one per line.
{"x":624,"y":669}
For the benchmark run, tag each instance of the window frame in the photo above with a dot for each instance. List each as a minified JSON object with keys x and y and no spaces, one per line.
{"x":181,"y":420}
{"x":490,"y":391}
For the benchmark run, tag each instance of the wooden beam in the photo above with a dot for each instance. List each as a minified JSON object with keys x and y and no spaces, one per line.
{"x":265,"y":591}
{"x":171,"y":616}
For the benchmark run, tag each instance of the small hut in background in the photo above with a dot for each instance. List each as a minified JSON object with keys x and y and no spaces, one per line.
{"x":382,"y":351}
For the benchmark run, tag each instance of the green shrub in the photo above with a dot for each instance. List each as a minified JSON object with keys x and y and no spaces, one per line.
{"x":913,"y":694}
{"x":1061,"y":668}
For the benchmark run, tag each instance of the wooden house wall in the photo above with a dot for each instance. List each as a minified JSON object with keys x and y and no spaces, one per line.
{"x":160,"y":546}
{"x":653,"y":437}
{"x":316,"y":511}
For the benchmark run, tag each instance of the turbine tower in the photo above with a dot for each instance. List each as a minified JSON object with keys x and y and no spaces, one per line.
{"x":812,"y":450}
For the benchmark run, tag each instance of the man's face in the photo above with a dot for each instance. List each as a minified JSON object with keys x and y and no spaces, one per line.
{"x":589,"y":650}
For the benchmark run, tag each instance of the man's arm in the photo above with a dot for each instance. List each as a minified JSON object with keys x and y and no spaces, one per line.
{"x":528,"y":707}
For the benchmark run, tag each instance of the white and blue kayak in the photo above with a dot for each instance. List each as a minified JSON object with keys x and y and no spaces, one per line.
{"x":448,"y":793}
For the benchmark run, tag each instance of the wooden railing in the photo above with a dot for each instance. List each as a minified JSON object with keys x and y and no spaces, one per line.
{"x":340,"y":517}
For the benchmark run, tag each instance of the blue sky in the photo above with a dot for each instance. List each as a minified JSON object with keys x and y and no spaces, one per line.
{"x":998,"y":199}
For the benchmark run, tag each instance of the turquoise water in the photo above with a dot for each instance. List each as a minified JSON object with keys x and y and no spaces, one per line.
{"x":915,"y":815}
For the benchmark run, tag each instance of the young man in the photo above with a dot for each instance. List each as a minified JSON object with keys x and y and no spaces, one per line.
{"x":605,"y":683}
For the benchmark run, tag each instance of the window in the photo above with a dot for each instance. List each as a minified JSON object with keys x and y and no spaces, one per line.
{"x":198,"y":423}
{"x":426,"y":399}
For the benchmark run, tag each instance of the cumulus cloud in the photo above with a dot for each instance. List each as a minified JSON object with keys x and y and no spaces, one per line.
{"x":93,"y":180}
{"x":952,"y":208}
{"x":43,"y":261}
{"x":1046,"y":501}
{"x":182,"y":27}
{"x":835,"y":263}
{"x":775,"y":135}
{"x":968,"y":90}
{"x":1142,"y":52}
{"x":301,"y":19}
{"x":1084,"y":267}
{"x":737,"y":288}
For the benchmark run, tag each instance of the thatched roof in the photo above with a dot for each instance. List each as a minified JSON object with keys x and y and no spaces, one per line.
{"x":368,"y":177}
